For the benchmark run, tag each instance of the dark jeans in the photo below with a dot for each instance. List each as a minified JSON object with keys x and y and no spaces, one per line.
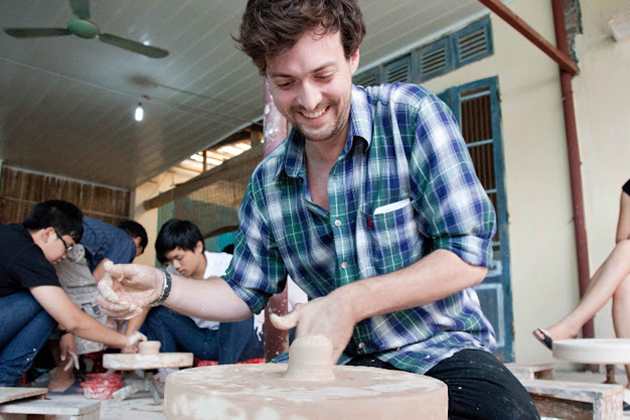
{"x":479,"y":387}
{"x":24,"y":328}
{"x":232,"y":342}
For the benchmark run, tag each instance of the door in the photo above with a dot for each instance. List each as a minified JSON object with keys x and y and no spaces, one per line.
{"x":476,"y":106}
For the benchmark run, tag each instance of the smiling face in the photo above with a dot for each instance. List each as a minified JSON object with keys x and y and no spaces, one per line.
{"x":311,"y":85}
{"x":188,"y":263}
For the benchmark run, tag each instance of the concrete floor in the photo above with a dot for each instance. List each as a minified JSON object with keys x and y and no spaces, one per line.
{"x":140,"y":406}
{"x":137,"y":407}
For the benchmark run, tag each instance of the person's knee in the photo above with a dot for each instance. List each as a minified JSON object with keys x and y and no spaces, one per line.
{"x":481,"y":387}
{"x":621,"y":295}
{"x":623,"y":249}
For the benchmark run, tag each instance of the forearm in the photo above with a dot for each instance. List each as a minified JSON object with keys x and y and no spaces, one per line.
{"x":99,"y":271}
{"x":92,"y":330}
{"x":136,"y":322}
{"x":436,"y":276}
{"x":211,"y":299}
{"x":54,"y":300}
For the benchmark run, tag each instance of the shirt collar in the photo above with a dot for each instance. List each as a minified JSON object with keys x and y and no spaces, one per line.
{"x":360,"y":126}
{"x":360,"y":117}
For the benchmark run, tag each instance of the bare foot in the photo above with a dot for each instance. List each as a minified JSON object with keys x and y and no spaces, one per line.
{"x":558,"y":332}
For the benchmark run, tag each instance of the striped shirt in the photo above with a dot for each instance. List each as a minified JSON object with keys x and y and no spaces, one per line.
{"x":403,"y":186}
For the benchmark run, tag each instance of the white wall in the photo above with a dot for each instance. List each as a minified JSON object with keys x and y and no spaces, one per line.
{"x":149,"y":218}
{"x":544,"y":265}
{"x":544,"y":271}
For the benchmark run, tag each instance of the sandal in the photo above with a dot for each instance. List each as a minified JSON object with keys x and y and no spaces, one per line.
{"x":546,"y":339}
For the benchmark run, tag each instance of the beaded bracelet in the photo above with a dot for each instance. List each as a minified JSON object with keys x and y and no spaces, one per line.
{"x":168,"y":282}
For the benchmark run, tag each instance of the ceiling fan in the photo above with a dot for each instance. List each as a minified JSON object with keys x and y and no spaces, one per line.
{"x":84,"y":28}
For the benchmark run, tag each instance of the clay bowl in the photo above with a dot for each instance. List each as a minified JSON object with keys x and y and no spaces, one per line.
{"x":149,"y":347}
{"x":101,"y":390}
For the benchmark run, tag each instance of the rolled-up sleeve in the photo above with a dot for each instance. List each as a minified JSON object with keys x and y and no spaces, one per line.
{"x":453,"y":207}
{"x":257,"y":271}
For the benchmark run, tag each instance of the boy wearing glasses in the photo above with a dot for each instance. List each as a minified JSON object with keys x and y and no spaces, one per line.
{"x":80,"y":272}
{"x":32,"y":302}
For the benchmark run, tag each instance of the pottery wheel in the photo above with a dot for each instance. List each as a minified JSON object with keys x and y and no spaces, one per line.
{"x":266,"y":392}
{"x":593,"y":350}
{"x":119,"y":361}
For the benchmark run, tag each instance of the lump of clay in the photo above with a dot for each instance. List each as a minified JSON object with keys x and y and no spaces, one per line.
{"x":149,"y":347}
{"x":310,"y":359}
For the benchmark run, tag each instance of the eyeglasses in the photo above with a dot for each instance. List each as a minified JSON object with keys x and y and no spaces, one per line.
{"x":68,"y":247}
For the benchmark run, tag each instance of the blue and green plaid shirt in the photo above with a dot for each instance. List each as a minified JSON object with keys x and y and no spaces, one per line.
{"x":403,"y":186}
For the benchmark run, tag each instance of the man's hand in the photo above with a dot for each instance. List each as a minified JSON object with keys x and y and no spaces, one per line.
{"x":130,"y":349}
{"x":329,"y":316}
{"x":126,"y":288}
{"x":134,"y":338}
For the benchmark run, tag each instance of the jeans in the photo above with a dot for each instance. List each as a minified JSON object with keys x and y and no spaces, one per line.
{"x":24,"y":328}
{"x":232,"y":342}
{"x":479,"y":387}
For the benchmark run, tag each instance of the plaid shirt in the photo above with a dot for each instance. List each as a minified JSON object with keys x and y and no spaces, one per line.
{"x":102,"y":240}
{"x":403,"y":186}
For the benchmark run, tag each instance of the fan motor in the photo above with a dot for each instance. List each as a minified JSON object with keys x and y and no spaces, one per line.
{"x":83,"y":28}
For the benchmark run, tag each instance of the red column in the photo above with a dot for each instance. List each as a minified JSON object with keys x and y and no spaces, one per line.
{"x":274,"y":131}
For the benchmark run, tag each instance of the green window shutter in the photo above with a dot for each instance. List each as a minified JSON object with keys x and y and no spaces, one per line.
{"x":472,"y":43}
{"x":399,"y":70}
{"x":434,"y":60}
{"x":368,"y":78}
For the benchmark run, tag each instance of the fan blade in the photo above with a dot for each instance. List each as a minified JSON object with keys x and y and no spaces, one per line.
{"x":133,"y":46}
{"x":81,"y":8}
{"x":36,"y":32}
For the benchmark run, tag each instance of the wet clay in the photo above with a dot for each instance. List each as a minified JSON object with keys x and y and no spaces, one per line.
{"x":310,"y":359}
{"x":149,"y":347}
{"x":311,"y":388}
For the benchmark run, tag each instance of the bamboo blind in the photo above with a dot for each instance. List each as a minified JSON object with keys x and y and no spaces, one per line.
{"x":20,"y":190}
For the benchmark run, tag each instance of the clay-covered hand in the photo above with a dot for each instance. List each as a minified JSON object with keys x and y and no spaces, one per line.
{"x":131,"y":349}
{"x":329,"y":316}
{"x":134,"y":338}
{"x":68,"y":351}
{"x":126,"y":288}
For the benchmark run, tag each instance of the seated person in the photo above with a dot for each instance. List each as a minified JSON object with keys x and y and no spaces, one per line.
{"x":180,"y":244}
{"x":32,"y":302}
{"x":612,"y":279}
{"x":78,"y":275}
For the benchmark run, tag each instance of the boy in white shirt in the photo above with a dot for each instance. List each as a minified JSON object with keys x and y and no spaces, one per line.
{"x":180,"y":245}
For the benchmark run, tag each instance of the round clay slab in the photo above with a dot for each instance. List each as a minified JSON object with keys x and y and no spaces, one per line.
{"x":120,"y":361}
{"x":593,"y":350}
{"x":261,"y":392}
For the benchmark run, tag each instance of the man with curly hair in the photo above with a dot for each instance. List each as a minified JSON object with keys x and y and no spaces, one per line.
{"x":371,"y":205}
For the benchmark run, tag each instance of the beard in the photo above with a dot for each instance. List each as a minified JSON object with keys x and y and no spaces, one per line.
{"x":335,"y":120}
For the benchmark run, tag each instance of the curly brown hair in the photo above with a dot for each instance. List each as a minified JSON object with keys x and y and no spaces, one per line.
{"x":272,"y":27}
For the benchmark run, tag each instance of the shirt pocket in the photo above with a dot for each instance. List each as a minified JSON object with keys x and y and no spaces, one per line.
{"x":394,"y":238}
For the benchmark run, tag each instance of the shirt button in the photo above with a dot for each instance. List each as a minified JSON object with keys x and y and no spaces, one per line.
{"x":362,"y":345}
{"x":344,"y":265}
{"x":337,"y":222}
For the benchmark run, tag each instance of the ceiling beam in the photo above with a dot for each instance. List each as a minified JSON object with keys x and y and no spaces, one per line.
{"x":564,"y":61}
{"x":230,"y":170}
